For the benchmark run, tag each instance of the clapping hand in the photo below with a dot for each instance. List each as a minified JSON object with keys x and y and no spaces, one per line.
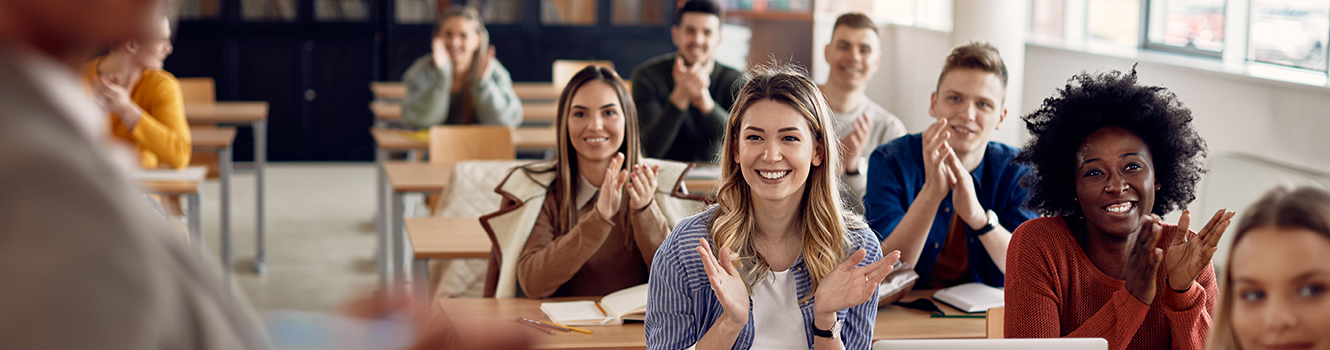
{"x":1189,"y":253}
{"x":642,"y":188}
{"x":726,"y":282}
{"x":1143,"y":261}
{"x":847,"y":285}
{"x":852,"y":145}
{"x":611,"y":188}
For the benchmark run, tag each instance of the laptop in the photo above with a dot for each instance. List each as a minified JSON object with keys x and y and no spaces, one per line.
{"x":993,"y":344}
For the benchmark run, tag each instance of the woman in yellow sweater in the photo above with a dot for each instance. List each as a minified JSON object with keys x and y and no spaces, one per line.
{"x":144,"y":100}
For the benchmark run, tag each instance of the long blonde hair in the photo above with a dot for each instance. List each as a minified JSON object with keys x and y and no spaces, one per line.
{"x":1304,"y":207}
{"x":824,"y":218}
{"x":567,"y":155}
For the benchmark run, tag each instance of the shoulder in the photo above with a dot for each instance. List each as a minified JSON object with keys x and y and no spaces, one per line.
{"x":651,"y":68}
{"x":1002,"y":152}
{"x":159,"y":79}
{"x":1042,"y":233}
{"x":684,"y":238}
{"x":861,"y":236}
{"x":426,"y":61}
{"x":499,"y":70}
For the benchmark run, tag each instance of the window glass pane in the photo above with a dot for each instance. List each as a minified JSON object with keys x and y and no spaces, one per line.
{"x":341,"y":10}
{"x":1046,"y":18}
{"x":268,"y":10}
{"x":638,"y":12}
{"x":499,"y":11}
{"x":1290,"y":32}
{"x":895,"y":11}
{"x":568,"y":12}
{"x":197,"y":9}
{"x":1117,"y":21}
{"x":1191,"y":24}
{"x":417,"y":11}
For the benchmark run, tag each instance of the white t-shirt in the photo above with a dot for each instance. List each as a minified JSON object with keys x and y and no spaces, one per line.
{"x":777,"y":322}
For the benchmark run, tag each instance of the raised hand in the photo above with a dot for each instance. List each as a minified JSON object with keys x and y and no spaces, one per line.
{"x":685,"y":84}
{"x":726,"y":282}
{"x":486,"y":64}
{"x":937,"y":177}
{"x":852,"y":145}
{"x":642,"y":188}
{"x":847,"y":285}
{"x":611,"y":188}
{"x":1189,"y":253}
{"x":110,"y":92}
{"x":963,"y":197}
{"x":1143,"y":261}
{"x":440,"y":54}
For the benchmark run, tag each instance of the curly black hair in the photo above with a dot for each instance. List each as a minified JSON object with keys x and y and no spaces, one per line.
{"x":1090,"y":102}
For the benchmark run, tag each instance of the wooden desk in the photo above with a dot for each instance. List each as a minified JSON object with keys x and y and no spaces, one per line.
{"x":255,"y":114}
{"x":184,"y":182}
{"x":545,"y":112}
{"x":893,"y":322}
{"x":388,"y":90}
{"x":535,"y":138}
{"x":443,"y":238}
{"x":220,"y":139}
{"x":396,"y":140}
{"x":542,"y":90}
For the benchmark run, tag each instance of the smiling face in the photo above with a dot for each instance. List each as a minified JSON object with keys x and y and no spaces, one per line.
{"x":152,"y":50}
{"x":1115,"y":181}
{"x":854,"y":55}
{"x":696,"y":35}
{"x":595,"y":122}
{"x":776,"y":151}
{"x":971,"y":101}
{"x":1281,"y":289}
{"x":461,"y":39}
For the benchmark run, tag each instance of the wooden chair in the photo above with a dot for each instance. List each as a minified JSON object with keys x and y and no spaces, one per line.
{"x":455,"y":143}
{"x":994,"y":322}
{"x":199,"y":90}
{"x":565,"y":69}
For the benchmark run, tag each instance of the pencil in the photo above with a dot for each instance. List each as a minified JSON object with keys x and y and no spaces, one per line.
{"x":540,"y":323}
{"x":602,"y":310}
{"x":564,"y":327}
{"x":533,"y":325}
{"x":956,"y":316}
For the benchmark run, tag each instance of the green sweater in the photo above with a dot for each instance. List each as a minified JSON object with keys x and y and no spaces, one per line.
{"x":675,"y":134}
{"x":429,"y":99}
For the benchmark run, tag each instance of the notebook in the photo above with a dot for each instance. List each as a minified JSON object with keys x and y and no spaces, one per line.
{"x":627,"y":304}
{"x":971,"y":297}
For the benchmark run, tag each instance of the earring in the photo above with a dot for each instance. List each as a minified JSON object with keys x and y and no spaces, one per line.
{"x":1075,"y":200}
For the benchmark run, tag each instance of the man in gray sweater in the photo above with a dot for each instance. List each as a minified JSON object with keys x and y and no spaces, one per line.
{"x":684,"y":97}
{"x":854,"y":55}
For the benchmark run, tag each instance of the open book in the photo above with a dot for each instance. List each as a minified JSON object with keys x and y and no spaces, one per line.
{"x":627,"y":304}
{"x":971,"y":297}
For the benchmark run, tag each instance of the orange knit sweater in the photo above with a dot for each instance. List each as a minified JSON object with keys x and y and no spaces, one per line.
{"x":161,"y":137}
{"x":1053,"y":290}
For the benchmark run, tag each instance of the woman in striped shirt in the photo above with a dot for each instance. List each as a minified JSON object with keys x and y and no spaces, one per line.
{"x":779,"y":263}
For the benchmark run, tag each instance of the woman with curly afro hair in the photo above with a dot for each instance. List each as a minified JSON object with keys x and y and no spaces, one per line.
{"x":1109,"y":156}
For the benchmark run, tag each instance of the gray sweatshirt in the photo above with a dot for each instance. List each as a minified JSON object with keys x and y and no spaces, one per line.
{"x":429,"y":99}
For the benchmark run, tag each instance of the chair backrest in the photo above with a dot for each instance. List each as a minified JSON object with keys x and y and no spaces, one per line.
{"x":198,"y":90}
{"x":565,"y":69}
{"x":452,"y":143}
{"x":994,"y":344}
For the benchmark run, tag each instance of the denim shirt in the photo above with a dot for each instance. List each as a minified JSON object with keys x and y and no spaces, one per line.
{"x":681,"y":306}
{"x":896,"y":175}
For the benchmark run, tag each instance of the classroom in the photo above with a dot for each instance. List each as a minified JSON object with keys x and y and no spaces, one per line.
{"x":665,"y":174}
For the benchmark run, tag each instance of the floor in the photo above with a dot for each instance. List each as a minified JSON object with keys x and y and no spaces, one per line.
{"x":320,"y":232}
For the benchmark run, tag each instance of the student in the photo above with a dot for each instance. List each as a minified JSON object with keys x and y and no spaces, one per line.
{"x":948,"y":197}
{"x":1110,"y":156}
{"x":854,"y":55}
{"x":147,"y":110}
{"x":778,"y":264}
{"x":598,"y":223}
{"x":460,"y":81}
{"x":683,"y":97}
{"x":1278,"y":275}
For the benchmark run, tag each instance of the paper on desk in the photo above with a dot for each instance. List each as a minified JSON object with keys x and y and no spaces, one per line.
{"x":193,"y":173}
{"x":575,"y":313}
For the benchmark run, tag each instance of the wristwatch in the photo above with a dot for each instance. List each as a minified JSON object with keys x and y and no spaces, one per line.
{"x":989,"y":226}
{"x":863,"y":166}
{"x":834,"y":333}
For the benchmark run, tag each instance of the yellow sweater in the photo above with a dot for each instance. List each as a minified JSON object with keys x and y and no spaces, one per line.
{"x":162,"y":134}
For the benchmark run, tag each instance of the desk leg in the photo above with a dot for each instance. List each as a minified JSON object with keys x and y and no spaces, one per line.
{"x":420,"y":282}
{"x":228,"y":258}
{"x":195,"y":216}
{"x":399,"y":239}
{"x":381,"y":220}
{"x":260,"y":162}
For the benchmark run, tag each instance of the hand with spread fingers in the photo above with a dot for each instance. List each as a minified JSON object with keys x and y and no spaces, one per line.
{"x":726,"y":282}
{"x":1143,"y":261}
{"x":1189,"y":253}
{"x":847,"y":285}
{"x":611,"y":188}
{"x":642,"y":186}
{"x":852,"y":145}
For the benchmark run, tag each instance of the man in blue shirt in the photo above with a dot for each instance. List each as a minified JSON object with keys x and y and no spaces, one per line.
{"x":948,"y":198}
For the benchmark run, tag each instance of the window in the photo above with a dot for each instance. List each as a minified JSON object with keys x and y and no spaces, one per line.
{"x":1290,"y":32}
{"x":1195,"y":26}
{"x":1046,"y":18}
{"x":1116,"y":21}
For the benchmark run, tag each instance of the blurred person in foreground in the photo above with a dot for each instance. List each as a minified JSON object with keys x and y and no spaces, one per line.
{"x":86,"y":264}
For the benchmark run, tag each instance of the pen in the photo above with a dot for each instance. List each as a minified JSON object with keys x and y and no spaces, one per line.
{"x":539,"y":323}
{"x":565,"y":328}
{"x":536,"y":326}
{"x":956,"y":316}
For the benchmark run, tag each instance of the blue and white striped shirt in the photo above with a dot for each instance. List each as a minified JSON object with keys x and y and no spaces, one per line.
{"x":681,"y":306}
